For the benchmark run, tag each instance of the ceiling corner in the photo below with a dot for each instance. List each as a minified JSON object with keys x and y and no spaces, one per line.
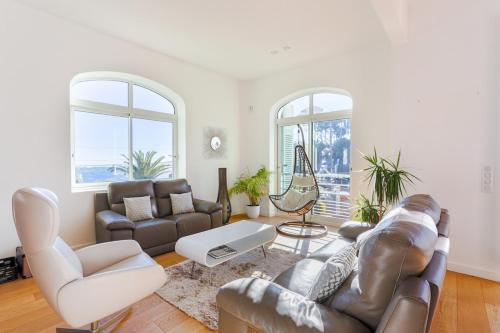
{"x":393,"y":15}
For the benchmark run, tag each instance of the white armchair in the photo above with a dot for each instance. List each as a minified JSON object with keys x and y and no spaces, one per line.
{"x":87,"y":285}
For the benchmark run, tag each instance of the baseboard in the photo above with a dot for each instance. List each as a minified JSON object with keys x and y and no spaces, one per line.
{"x":475,"y":271}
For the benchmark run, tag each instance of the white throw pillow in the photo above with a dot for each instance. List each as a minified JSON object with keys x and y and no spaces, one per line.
{"x":182,"y":203}
{"x":333,"y":273}
{"x":138,"y":208}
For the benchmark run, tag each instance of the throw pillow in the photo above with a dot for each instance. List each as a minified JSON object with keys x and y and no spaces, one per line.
{"x":333,"y":273}
{"x":182,"y":203}
{"x":138,"y":208}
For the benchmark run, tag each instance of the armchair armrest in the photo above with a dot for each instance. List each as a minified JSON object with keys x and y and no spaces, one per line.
{"x":271,"y":308}
{"x":111,"y":220}
{"x":207,"y":207}
{"x":96,"y":257}
{"x":352,"y":229}
{"x":102,"y":294}
{"x":408,"y":309}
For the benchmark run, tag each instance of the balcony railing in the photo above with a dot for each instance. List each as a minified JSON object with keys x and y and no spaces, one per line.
{"x":334,"y":189}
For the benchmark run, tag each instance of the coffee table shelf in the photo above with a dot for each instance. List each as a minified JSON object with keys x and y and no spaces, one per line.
{"x":242,"y":236}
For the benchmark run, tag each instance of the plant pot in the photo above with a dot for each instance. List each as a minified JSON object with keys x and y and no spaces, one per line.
{"x":252,"y":211}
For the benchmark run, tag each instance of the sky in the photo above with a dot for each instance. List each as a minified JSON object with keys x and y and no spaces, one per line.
{"x":103,"y":139}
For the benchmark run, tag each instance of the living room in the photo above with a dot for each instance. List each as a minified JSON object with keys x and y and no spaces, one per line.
{"x":205,"y":97}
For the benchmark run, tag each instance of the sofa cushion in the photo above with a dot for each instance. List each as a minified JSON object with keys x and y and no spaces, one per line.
{"x":301,"y":277}
{"x":401,"y":245}
{"x":162,"y":190}
{"x":138,"y":208}
{"x":191,"y":223}
{"x":155,"y":232}
{"x":423,"y":203}
{"x":182,"y":203}
{"x":333,"y":273}
{"x":140,"y":188}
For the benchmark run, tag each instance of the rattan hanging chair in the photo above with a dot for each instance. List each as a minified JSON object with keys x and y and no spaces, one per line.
{"x":300,"y":197}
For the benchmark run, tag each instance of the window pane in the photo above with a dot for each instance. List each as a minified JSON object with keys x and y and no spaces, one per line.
{"x":146,"y":99}
{"x":328,"y":102}
{"x":101,"y":147}
{"x":153,"y":149}
{"x":332,"y":166}
{"x":289,"y":137}
{"x":110,"y":92}
{"x":298,"y":107}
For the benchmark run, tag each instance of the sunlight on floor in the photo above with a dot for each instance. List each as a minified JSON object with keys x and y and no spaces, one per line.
{"x":300,"y":246}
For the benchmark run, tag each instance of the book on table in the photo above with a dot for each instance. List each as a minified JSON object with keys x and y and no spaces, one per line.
{"x":221,"y":252}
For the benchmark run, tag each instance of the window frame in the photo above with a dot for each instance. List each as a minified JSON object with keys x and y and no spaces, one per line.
{"x":77,"y":105}
{"x":309,"y":119}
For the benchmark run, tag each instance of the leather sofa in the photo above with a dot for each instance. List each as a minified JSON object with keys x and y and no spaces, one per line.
{"x":395,"y":287}
{"x":157,"y":235}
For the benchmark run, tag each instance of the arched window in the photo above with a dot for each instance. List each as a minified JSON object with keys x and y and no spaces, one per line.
{"x":325,"y":118}
{"x":123,"y":127}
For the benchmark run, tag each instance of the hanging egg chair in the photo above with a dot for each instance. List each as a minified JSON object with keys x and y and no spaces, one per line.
{"x":300,"y":197}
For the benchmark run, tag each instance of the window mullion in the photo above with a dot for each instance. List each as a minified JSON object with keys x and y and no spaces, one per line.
{"x":130,"y":135}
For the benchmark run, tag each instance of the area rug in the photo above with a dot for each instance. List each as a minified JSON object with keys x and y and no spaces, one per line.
{"x":196,"y":296}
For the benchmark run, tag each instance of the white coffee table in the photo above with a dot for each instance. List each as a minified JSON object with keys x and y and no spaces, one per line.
{"x":242,"y":236}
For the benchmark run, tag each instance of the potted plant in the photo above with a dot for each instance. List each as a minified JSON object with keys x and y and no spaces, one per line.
{"x":389,"y":182}
{"x":255,"y":187}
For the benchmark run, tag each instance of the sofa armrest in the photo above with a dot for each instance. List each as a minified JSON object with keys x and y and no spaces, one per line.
{"x":352,"y":229}
{"x":207,"y":207}
{"x":409,"y":308}
{"x":111,"y":220}
{"x":271,"y":308}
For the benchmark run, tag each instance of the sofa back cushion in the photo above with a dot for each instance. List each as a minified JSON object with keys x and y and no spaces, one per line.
{"x":130,"y":189}
{"x":163,"y":188}
{"x":401,"y":245}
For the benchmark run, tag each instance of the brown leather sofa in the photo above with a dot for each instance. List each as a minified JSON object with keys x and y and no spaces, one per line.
{"x":157,"y":235}
{"x":394,"y":289}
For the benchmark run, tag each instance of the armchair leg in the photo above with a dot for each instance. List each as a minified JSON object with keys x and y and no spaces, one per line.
{"x":95,"y":327}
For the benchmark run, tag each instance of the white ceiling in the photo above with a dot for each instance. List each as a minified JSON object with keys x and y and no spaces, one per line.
{"x":233,"y":37}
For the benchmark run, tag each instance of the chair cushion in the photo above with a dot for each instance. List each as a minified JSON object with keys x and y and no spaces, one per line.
{"x":182,"y":203}
{"x":138,"y":209}
{"x":140,"y":188}
{"x":155,"y":232}
{"x":191,"y":223}
{"x":400,"y":246}
{"x":333,"y":273}
{"x":163,"y":188}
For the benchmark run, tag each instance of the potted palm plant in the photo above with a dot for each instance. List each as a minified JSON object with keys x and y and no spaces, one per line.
{"x":389,"y":182}
{"x":254,"y":187}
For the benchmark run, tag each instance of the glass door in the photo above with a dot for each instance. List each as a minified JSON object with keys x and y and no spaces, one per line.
{"x":328,"y":147}
{"x":331,"y":161}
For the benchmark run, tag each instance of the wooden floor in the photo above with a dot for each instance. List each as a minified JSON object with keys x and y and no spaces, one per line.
{"x":467,"y":305}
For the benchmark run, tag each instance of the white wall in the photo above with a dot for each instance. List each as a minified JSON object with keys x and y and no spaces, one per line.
{"x":364,"y":75}
{"x":39,"y":55}
{"x":435,"y":97}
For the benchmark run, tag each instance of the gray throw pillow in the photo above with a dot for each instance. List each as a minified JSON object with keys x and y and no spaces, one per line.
{"x":182,"y":203}
{"x":332,"y":274}
{"x":138,"y":208}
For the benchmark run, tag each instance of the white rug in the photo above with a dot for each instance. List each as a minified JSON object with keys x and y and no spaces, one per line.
{"x":196,"y":297}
